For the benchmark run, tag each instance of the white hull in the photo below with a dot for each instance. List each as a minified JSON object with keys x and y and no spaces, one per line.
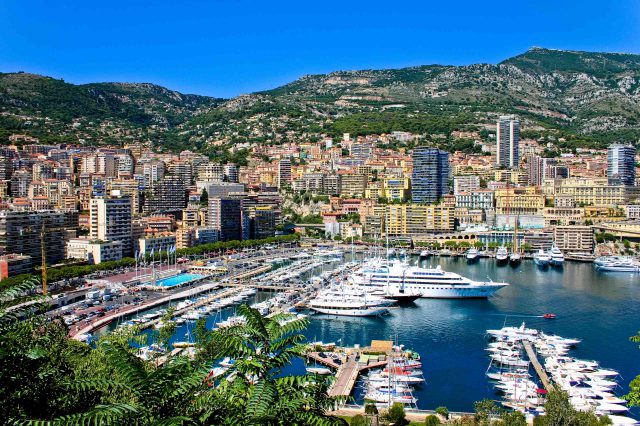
{"x":366,"y":312}
{"x":429,"y":283}
{"x":541,"y":262}
{"x":617,"y":268}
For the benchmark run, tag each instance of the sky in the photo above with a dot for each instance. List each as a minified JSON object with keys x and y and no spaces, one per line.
{"x":227,"y":48}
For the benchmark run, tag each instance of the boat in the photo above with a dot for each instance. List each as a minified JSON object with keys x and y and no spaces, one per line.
{"x":348,"y":302}
{"x":601,"y":260}
{"x":399,"y":295}
{"x":549,"y":316}
{"x":424,"y":254}
{"x":541,"y":258}
{"x":472,"y":255}
{"x":387,"y":397}
{"x":429,"y":282}
{"x":557,"y":258}
{"x":619,"y":265}
{"x":502,"y":255}
{"x":318,"y":370}
{"x":515,"y":258}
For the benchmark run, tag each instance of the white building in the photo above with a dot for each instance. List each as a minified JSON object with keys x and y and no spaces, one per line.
{"x":110,"y":220}
{"x":156,"y":243}
{"x":507,"y":141}
{"x":479,"y":199}
{"x":94,"y":251}
{"x":468,"y":183}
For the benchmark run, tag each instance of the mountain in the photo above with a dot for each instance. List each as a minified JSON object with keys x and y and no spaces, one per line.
{"x":585,"y":97}
{"x":46,"y":106}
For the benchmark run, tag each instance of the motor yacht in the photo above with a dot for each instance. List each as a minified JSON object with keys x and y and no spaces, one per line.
{"x":472,"y":255}
{"x":400,"y":277}
{"x":541,"y":258}
{"x":556,"y":256}
{"x":502,"y":255}
{"x":348,"y":301}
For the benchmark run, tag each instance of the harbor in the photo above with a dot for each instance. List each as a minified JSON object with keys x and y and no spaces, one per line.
{"x":447,"y":333}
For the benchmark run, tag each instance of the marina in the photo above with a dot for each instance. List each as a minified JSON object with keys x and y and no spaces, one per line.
{"x":447,"y":333}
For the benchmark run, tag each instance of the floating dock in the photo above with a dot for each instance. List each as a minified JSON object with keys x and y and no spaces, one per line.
{"x":533,"y":358}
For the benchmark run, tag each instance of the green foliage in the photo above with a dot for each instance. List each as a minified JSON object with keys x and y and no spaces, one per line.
{"x":485,"y":410}
{"x":560,"y":412}
{"x":396,"y":414}
{"x":443,"y":411}
{"x":204,"y":197}
{"x":368,"y":123}
{"x":512,"y":418}
{"x":431,"y":420}
{"x":359,"y":420}
{"x":634,"y":387}
{"x":371,"y":409}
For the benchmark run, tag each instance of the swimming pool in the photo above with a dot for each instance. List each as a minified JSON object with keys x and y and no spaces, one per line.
{"x":177,"y":280}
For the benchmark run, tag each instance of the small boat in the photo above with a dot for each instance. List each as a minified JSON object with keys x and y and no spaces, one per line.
{"x":515,"y":258}
{"x":424,"y":254}
{"x":318,"y":370}
{"x":541,"y":258}
{"x":502,"y":256}
{"x":549,"y":316}
{"x":472,"y":255}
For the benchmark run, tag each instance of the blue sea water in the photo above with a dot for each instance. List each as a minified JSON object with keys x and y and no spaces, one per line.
{"x":602,"y":309}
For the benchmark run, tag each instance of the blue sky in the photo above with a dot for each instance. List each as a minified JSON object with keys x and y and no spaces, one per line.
{"x":225,"y":48}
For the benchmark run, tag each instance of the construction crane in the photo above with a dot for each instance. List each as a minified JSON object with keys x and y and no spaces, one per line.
{"x":43,"y":253}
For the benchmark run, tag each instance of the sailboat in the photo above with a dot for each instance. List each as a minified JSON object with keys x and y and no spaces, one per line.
{"x":514,"y":257}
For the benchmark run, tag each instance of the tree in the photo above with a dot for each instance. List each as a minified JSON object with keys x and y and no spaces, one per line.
{"x":262,"y":347}
{"x":431,"y":420}
{"x":204,"y":197}
{"x":478,"y":244}
{"x":560,"y":412}
{"x":36,"y":359}
{"x":443,"y":411}
{"x":513,"y":418}
{"x":396,"y":414}
{"x":371,"y":410}
{"x":484,"y":410}
{"x":634,"y":387}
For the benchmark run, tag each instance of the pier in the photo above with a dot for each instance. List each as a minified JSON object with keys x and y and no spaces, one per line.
{"x":348,"y":370}
{"x":531,"y":353}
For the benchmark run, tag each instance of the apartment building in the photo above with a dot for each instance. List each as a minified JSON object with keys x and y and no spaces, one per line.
{"x":110,"y":220}
{"x":574,"y":239}
{"x":465,"y":184}
{"x":94,"y":251}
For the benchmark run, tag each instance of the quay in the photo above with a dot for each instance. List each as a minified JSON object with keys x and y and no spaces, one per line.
{"x":130,"y":310}
{"x":351,"y":364}
{"x":533,"y":358}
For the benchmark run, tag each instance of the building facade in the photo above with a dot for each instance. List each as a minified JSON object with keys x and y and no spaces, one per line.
{"x":507,"y":142}
{"x":430,"y":177}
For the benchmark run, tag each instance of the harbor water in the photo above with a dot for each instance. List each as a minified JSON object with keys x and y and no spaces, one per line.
{"x":602,"y":309}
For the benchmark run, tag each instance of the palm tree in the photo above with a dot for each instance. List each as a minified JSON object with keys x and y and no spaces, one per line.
{"x":137,"y":392}
{"x":261,"y":348}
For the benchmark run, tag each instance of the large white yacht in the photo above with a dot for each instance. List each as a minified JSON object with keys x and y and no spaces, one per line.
{"x":349,"y":301}
{"x":557,"y":258}
{"x":430,"y":283}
